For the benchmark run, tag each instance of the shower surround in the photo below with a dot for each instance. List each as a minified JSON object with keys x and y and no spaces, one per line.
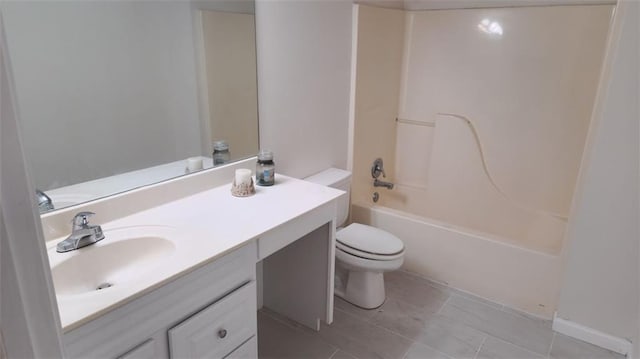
{"x":481,"y":116}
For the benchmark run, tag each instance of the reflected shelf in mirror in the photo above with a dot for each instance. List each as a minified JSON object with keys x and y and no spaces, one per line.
{"x":102,"y":187}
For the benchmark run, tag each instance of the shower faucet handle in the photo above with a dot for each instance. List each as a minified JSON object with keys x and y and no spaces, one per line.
{"x":378,"y":168}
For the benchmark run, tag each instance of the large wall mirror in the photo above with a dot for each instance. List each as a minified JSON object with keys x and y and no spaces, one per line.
{"x":114,"y":95}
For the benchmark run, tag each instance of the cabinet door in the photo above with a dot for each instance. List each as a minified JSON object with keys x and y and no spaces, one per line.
{"x":217,"y":330}
{"x":146,"y":350}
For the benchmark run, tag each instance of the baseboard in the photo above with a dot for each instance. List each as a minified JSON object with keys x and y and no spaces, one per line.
{"x":592,"y":336}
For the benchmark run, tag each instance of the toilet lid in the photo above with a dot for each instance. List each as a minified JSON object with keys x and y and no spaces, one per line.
{"x":369,"y":239}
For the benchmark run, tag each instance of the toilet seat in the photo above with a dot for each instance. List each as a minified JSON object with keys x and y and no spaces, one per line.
{"x":369,"y":243}
{"x":354,"y":263}
{"x":367,"y":255}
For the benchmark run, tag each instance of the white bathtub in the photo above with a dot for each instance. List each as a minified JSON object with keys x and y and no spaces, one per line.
{"x":516,"y":276}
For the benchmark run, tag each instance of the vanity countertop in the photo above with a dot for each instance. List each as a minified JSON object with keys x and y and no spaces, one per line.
{"x":206,"y":226}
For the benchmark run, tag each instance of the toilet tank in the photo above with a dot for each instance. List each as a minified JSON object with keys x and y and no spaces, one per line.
{"x":340,"y":179}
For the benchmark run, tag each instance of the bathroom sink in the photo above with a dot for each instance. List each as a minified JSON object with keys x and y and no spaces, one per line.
{"x":124,"y":256}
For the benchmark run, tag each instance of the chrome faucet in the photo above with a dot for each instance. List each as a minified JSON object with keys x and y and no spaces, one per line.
{"x":45,"y":204}
{"x":376,"y":170}
{"x":82,"y":234}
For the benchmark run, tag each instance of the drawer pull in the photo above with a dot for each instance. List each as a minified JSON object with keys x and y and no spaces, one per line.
{"x":222,"y":333}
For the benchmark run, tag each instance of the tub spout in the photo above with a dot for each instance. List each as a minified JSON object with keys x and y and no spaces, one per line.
{"x":378,"y":183}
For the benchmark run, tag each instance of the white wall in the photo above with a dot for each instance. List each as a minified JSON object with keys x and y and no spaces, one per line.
{"x":18,"y":336}
{"x":600,"y":289}
{"x":28,"y":311}
{"x":103,"y":87}
{"x":304,"y":52}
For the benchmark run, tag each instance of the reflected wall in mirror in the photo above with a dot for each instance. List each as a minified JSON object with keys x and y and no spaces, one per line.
{"x":114,"y":95}
{"x":230,"y":59}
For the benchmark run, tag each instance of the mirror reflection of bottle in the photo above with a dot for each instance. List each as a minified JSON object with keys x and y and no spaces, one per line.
{"x":221,"y":153}
{"x":265,"y":169}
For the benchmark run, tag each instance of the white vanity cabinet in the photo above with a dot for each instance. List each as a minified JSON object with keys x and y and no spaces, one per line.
{"x":207,"y":308}
{"x":208,"y":313}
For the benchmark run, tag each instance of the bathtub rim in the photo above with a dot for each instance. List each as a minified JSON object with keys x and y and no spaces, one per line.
{"x":456,"y":228}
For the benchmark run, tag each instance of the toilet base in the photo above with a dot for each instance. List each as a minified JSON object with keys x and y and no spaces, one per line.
{"x":364,"y":289}
{"x":360,"y":281}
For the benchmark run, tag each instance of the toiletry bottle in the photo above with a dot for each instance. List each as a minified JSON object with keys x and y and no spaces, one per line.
{"x":221,"y":153}
{"x":265,"y":169}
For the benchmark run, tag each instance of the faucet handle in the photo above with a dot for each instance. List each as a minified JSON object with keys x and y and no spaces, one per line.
{"x":378,"y":168}
{"x":81,"y":220}
{"x":45,"y":203}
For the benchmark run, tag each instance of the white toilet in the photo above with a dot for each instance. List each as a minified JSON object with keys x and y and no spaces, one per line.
{"x":363,"y":253}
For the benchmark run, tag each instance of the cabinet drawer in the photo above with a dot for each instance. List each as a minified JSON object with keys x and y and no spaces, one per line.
{"x":218,"y":329}
{"x":248,"y":350}
{"x":146,"y":350}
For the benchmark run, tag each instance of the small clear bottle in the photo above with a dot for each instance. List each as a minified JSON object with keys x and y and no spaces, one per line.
{"x":221,"y":153}
{"x":265,"y":169}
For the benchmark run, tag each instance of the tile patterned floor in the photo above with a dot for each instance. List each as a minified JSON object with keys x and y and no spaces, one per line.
{"x":421,"y":320}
